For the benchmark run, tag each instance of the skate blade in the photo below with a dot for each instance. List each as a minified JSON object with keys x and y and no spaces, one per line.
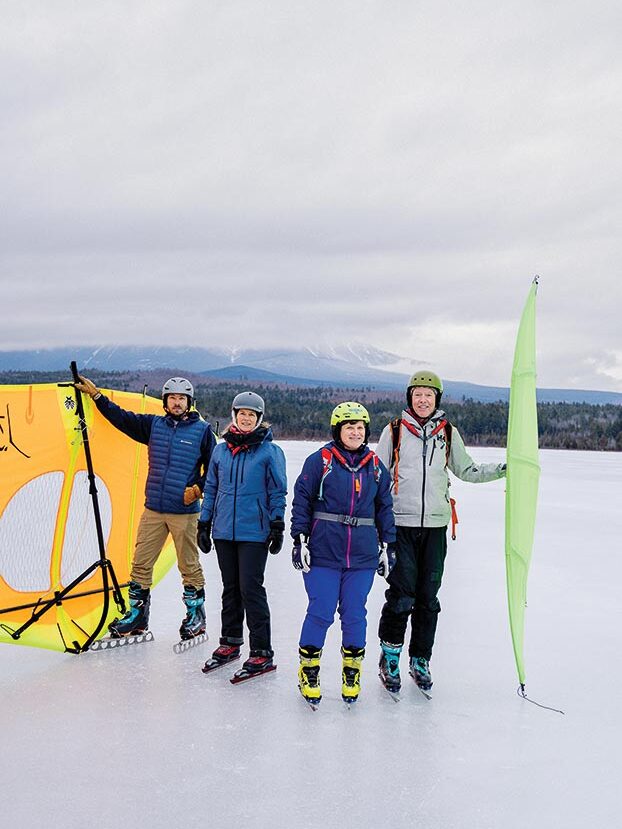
{"x":349,"y":701}
{"x":395,"y":695}
{"x":109,"y":643}
{"x":214,"y":664}
{"x":427,"y":692}
{"x":243,"y":675}
{"x":185,"y":644}
{"x":313,"y":704}
{"x":394,"y":692}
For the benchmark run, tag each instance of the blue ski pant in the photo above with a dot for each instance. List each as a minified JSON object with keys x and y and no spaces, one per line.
{"x":328,"y":590}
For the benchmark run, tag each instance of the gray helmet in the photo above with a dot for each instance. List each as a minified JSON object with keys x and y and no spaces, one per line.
{"x":178,"y":385}
{"x":248,"y":400}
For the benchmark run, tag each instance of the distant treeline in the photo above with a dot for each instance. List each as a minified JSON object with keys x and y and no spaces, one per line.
{"x":304,"y":413}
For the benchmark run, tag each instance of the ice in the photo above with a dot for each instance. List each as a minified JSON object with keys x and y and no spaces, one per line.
{"x":140,"y":737}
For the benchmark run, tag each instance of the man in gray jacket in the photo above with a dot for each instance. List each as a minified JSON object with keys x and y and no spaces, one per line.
{"x":419,"y":448}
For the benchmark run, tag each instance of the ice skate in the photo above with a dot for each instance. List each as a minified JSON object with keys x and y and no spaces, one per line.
{"x":419,"y":669}
{"x":194,"y":621}
{"x":223,"y":654}
{"x":351,"y":673}
{"x":309,"y":675}
{"x":389,"y":666}
{"x":258,"y":663}
{"x":136,"y":619}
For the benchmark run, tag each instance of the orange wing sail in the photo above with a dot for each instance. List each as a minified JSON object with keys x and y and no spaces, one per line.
{"x":48,"y":534}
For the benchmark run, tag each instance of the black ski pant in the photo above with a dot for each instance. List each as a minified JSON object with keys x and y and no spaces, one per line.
{"x":414,"y":583}
{"x":242,"y":565}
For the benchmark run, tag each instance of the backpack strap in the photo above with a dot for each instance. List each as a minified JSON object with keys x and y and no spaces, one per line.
{"x":364,"y":460}
{"x":454,"y":518}
{"x":448,"y":428}
{"x":396,"y":442}
{"x":327,"y":462}
{"x":377,"y":470}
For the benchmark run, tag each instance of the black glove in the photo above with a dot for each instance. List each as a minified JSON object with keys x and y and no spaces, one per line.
{"x":275,"y":539}
{"x":204,"y":531}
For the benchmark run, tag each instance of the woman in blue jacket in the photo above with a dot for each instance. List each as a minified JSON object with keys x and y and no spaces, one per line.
{"x":243,"y":510}
{"x":344,"y":532}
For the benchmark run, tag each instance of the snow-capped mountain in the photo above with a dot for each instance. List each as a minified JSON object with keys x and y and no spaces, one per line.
{"x":344,"y":364}
{"x":349,"y":365}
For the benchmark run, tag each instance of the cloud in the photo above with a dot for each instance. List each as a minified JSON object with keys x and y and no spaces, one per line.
{"x":290,"y":172}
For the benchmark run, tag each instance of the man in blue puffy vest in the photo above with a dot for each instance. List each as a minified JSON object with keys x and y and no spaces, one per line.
{"x":180,"y":445}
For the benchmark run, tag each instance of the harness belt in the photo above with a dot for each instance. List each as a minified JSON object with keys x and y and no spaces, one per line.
{"x":350,"y":520}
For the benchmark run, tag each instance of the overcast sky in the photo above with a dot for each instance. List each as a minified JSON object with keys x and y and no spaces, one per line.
{"x":277,"y":173}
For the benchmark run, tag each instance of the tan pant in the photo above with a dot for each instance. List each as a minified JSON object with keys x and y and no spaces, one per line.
{"x":153,"y":530}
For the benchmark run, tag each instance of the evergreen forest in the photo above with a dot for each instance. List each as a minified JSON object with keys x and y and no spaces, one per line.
{"x":303,"y":413}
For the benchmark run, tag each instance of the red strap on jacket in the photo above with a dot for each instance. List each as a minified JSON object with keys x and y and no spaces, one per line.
{"x":395,"y":428}
{"x":454,"y":518}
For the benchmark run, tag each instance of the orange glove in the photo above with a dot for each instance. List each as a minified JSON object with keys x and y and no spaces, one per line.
{"x":87,"y":386}
{"x":191,"y":494}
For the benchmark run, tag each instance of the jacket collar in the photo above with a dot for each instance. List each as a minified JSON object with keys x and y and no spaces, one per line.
{"x":431,"y":424}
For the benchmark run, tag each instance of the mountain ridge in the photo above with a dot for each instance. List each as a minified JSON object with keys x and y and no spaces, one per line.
{"x":346,"y":365}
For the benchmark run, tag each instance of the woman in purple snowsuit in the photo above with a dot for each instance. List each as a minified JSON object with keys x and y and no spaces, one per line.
{"x":344,"y":532}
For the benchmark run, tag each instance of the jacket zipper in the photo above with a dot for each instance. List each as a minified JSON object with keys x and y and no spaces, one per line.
{"x":168,"y":466}
{"x":432,"y":452}
{"x":425,"y":451}
{"x":349,"y":527}
{"x":235,"y":495}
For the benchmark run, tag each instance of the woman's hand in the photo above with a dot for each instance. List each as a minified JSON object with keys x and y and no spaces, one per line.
{"x":386,"y":559}
{"x":204,"y":531}
{"x":275,"y":538}
{"x":301,"y":555}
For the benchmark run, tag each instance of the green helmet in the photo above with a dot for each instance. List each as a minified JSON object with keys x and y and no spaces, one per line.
{"x":348,"y":411}
{"x":429,"y":380}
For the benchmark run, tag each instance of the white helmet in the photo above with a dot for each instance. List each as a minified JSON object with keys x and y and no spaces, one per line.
{"x":178,"y":385}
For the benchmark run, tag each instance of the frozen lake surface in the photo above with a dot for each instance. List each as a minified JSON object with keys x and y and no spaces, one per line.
{"x":140,"y":737}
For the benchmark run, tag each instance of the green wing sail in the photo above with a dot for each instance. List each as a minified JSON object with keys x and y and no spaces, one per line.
{"x":523,"y":473}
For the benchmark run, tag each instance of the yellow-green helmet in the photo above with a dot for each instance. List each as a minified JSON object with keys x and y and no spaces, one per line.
{"x":348,"y":411}
{"x":428,"y":379}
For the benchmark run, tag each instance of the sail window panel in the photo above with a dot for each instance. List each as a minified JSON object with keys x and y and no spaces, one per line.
{"x":80,"y":547}
{"x":27,"y":533}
